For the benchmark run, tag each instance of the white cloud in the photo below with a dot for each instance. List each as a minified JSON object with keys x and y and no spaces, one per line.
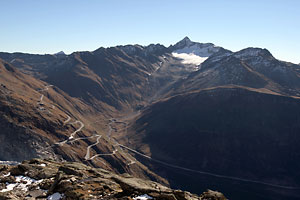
{"x":190,"y":58}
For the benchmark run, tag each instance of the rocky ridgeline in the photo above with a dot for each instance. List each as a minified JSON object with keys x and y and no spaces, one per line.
{"x":47,"y":179}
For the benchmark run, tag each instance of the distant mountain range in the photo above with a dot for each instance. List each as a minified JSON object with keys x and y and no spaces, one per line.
{"x":192,"y":115}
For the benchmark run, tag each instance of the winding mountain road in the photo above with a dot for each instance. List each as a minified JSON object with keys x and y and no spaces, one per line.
{"x":113,"y":120}
{"x":87,"y":155}
{"x":131,"y":162}
{"x":79,"y":129}
{"x":67,"y":120}
{"x":104,"y":154}
{"x":41,"y":98}
{"x":69,"y":140}
{"x":46,"y":88}
{"x":82,"y":138}
{"x":72,"y":138}
{"x":74,"y":133}
{"x":41,"y":102}
{"x":108,"y":134}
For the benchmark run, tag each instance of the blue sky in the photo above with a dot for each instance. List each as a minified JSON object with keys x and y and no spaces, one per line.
{"x":49,"y":26}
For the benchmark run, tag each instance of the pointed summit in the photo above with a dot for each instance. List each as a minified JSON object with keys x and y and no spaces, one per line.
{"x":60,"y":53}
{"x":187,"y":46}
{"x":186,"y":39}
{"x":183,"y":43}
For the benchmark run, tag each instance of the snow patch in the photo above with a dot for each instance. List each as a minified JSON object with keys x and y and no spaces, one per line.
{"x":9,"y":187}
{"x":190,"y":58}
{"x":6,"y":175}
{"x":142,"y":197}
{"x":203,"y":50}
{"x":55,"y":196}
{"x":22,"y":182}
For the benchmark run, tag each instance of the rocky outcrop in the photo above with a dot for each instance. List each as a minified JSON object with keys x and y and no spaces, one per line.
{"x":47,"y":179}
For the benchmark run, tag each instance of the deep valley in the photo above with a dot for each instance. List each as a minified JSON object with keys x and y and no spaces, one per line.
{"x":192,"y":116}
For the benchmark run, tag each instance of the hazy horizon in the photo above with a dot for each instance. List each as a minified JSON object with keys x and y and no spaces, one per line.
{"x":47,"y":27}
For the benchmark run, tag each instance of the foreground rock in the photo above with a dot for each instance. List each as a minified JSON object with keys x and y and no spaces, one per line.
{"x":46,"y":179}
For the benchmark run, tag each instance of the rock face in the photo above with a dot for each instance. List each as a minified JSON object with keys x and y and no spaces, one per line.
{"x":46,"y":179}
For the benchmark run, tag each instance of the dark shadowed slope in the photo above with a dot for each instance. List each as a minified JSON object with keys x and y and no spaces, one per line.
{"x":228,"y":131}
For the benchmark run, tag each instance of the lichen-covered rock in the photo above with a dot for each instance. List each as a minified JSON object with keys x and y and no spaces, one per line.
{"x":39,"y":179}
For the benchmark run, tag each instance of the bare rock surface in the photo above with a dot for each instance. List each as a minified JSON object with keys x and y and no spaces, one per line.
{"x":47,"y":179}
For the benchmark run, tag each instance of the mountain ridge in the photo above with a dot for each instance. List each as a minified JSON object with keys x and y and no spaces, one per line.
{"x":104,"y":107}
{"x":185,"y":39}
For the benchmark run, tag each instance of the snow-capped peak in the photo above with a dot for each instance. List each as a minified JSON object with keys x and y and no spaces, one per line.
{"x":193,"y":52}
{"x":186,"y":40}
{"x":203,"y":50}
{"x":189,"y":47}
{"x":182,"y":43}
{"x":251,"y":52}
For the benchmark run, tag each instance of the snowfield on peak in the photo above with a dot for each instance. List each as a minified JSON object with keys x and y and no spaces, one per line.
{"x":192,"y":52}
{"x":189,"y":58}
{"x":203,"y":50}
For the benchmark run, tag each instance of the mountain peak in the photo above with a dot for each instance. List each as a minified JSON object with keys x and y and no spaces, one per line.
{"x":184,"y":42}
{"x":186,"y":39}
{"x":251,"y":51}
{"x":187,"y":46}
{"x":60,"y":53}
